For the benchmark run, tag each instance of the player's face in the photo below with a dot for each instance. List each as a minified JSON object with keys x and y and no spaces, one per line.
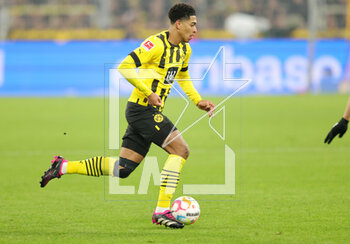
{"x":188,"y":28}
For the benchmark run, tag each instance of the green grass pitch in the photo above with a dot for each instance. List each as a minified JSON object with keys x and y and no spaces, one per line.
{"x":291,"y":188}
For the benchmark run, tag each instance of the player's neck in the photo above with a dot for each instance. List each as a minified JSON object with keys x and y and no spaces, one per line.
{"x":174,"y":38}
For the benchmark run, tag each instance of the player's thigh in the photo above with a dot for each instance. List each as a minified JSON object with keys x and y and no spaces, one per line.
{"x":176,"y":144}
{"x":134,"y":146}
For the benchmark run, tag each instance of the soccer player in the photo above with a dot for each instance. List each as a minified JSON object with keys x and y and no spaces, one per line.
{"x":340,"y":127}
{"x":167,"y":54}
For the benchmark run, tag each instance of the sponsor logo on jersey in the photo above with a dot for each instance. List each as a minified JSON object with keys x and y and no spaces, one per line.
{"x":148,"y":45}
{"x":170,"y":76}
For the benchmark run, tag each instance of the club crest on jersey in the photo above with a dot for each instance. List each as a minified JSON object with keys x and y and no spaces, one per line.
{"x":158,"y":118}
{"x":148,"y":45}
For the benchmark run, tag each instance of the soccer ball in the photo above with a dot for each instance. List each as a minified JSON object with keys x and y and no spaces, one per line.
{"x":186,"y":210}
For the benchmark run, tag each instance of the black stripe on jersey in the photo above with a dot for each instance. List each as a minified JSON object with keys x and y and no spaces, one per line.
{"x":184,"y":48}
{"x":165,"y":99}
{"x":162,"y":92}
{"x":155,"y":85}
{"x":178,"y":55}
{"x":184,"y":69}
{"x":171,"y":55}
{"x":167,"y":38}
{"x":162,"y":60}
{"x":167,"y":95}
{"x":135,"y":58}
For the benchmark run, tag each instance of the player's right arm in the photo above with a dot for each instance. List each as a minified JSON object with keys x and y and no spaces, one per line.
{"x":340,"y":127}
{"x":186,"y":84}
{"x":141,"y":55}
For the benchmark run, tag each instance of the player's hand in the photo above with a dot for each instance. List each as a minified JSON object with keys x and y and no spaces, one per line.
{"x":206,"y":106}
{"x":154,"y":100}
{"x":339,"y":128}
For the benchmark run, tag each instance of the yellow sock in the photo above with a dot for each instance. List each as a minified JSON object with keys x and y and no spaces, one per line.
{"x":170,"y":177}
{"x":95,"y":166}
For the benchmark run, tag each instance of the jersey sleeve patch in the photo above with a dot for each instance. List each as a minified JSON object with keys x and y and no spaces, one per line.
{"x":148,"y":45}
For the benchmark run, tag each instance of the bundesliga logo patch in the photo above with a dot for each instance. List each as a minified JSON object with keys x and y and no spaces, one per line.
{"x":148,"y":45}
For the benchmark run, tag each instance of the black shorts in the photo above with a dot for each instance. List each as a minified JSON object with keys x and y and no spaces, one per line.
{"x":146,"y":125}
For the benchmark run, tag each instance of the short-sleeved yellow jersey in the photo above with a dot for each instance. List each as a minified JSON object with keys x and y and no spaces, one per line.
{"x":160,"y":63}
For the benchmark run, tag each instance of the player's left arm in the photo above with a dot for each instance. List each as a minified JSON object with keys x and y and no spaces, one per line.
{"x":186,"y":84}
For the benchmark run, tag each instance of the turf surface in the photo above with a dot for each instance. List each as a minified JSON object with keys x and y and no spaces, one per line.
{"x":291,"y":188}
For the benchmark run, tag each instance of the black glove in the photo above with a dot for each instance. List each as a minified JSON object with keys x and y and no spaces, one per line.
{"x":339,"y":128}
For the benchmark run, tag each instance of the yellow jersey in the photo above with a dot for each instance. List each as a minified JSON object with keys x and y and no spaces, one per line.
{"x":159,"y":64}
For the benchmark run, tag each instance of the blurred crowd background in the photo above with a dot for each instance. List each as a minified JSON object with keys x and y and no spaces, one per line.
{"x":121,"y":19}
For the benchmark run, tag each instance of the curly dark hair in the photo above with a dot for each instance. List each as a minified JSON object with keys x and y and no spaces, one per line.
{"x":180,"y":11}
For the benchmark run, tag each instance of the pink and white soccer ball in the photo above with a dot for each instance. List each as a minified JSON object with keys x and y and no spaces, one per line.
{"x":186,"y":210}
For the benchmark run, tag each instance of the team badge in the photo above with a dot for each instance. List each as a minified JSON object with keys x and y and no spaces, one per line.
{"x":148,"y":45}
{"x":158,"y":118}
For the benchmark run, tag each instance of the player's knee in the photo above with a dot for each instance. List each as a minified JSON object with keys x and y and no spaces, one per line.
{"x":124,"y":173}
{"x":185,"y":152}
{"x":124,"y":167}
